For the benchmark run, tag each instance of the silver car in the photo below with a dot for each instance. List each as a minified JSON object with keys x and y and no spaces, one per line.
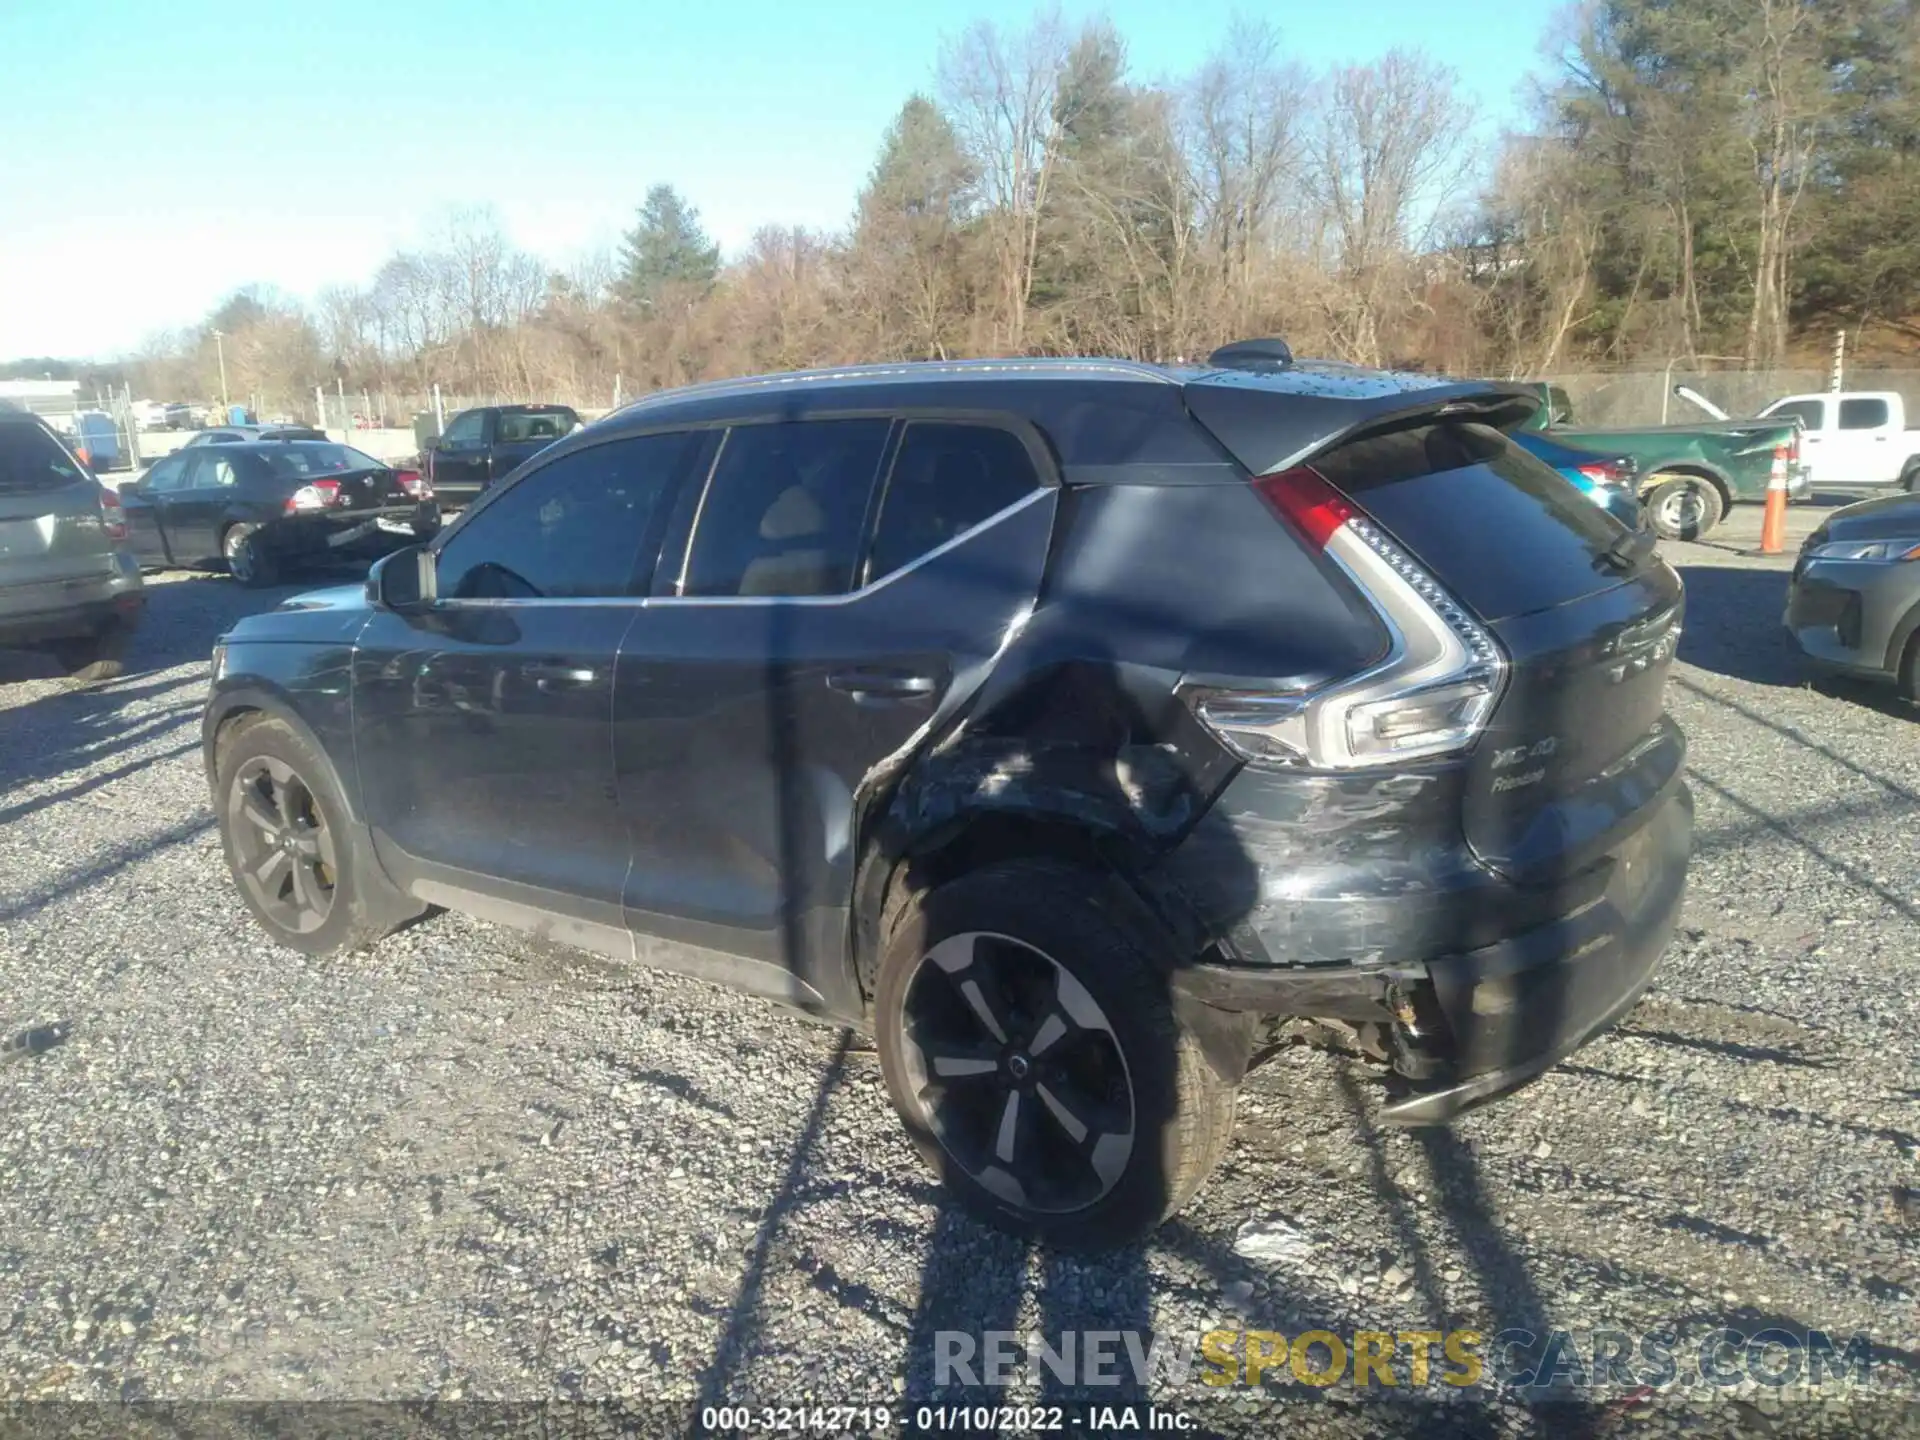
{"x":69,"y":585}
{"x":1854,"y":603}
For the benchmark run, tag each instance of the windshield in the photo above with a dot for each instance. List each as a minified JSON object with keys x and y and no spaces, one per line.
{"x":300,"y":459}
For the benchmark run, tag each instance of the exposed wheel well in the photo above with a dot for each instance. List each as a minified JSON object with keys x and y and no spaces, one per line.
{"x":979,"y":841}
{"x":230,"y":727}
{"x":1691,"y":472}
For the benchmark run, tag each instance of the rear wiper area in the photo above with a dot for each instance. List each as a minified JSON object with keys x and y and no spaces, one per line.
{"x":1627,"y":553}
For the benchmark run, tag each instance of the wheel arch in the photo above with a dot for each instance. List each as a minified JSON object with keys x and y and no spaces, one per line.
{"x":1692,"y":470}
{"x":230,"y":711}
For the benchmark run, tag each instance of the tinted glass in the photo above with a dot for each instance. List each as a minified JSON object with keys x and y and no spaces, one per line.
{"x":167,"y":474}
{"x":1862,"y":414}
{"x":576,"y":527}
{"x":312,"y":458}
{"x":465,"y":429}
{"x":1503,"y":531}
{"x":31,"y":459}
{"x":1811,"y":413}
{"x":784,"y":511}
{"x":946,"y":479}
{"x":207,"y":470}
{"x":516,"y":426}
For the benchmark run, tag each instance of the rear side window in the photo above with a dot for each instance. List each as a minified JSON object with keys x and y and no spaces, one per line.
{"x":946,"y":479}
{"x":585,"y":526}
{"x":1501,"y":529}
{"x":1862,"y":414}
{"x":785,"y":509}
{"x":31,"y":459}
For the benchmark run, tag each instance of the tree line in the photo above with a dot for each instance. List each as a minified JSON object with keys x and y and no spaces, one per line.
{"x":1698,"y":180}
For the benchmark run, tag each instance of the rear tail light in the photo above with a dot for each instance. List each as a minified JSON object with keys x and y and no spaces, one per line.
{"x":415,"y":484}
{"x":1608,"y":472}
{"x":1430,"y":695}
{"x":319,"y":495}
{"x":113,"y":513}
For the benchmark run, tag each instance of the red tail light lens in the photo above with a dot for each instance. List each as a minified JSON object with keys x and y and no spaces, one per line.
{"x":415,"y":484}
{"x":319,"y":495}
{"x":1307,"y":502}
{"x":113,"y":514}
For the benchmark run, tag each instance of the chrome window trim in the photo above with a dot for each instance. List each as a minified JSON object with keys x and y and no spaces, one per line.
{"x":846,"y":597}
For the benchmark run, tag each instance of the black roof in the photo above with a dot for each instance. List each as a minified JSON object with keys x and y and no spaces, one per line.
{"x":1106,"y":416}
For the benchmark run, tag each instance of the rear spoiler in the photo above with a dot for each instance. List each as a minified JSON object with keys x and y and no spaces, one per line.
{"x":1322,"y":409}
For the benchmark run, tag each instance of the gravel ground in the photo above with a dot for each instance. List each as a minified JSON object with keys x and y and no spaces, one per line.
{"x":471,"y":1164}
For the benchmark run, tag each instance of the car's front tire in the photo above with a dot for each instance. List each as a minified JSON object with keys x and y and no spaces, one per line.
{"x":303,"y":869}
{"x":1031,"y":1045}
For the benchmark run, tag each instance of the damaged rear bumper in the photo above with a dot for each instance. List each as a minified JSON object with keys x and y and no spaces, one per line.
{"x":1473,"y":1026}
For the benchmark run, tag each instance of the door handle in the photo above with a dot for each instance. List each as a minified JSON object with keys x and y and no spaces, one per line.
{"x":559,"y":677}
{"x":881,"y":684}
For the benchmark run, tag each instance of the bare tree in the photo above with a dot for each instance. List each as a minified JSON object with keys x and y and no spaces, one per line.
{"x":1000,"y":92}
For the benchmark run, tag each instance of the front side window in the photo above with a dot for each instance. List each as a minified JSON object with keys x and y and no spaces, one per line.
{"x":577,"y":528}
{"x":784,"y":511}
{"x":1863,"y":414}
{"x":167,"y":474}
{"x":946,"y":479}
{"x":465,"y":431}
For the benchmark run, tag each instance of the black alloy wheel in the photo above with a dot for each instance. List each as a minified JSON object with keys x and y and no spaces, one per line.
{"x":284,"y":850}
{"x":1017,"y":1073}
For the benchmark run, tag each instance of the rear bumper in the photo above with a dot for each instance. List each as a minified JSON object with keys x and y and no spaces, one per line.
{"x":355,"y":534}
{"x":1481,"y":1023}
{"x":68,"y":609}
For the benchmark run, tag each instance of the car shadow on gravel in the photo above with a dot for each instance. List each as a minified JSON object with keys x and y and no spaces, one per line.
{"x":1733,"y":624}
{"x":145,"y":717}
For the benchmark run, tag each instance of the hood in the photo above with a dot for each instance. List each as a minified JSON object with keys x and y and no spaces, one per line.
{"x":332,"y":616}
{"x":1886,"y":517}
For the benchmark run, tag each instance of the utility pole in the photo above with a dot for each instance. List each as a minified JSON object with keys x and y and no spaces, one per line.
{"x":221,"y":350}
{"x":1839,"y":360}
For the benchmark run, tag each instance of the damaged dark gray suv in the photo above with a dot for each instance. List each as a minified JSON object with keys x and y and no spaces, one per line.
{"x":1066,"y":725}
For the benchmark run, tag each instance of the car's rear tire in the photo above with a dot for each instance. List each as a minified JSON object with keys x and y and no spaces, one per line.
{"x":301,"y":867}
{"x":1079,"y":1109}
{"x":248,"y":560}
{"x":1682,"y":507}
{"x":90,"y":659}
{"x":1907,"y":677}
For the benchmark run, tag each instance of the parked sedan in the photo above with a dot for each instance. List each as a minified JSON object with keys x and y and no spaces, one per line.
{"x":1854,"y":603}
{"x":266,"y":507}
{"x":247,"y":434}
{"x":1607,"y":480}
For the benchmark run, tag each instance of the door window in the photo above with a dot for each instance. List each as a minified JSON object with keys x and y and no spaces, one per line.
{"x":946,"y":479}
{"x":519,"y":426}
{"x":167,"y":474}
{"x":211,"y":471}
{"x":1810,"y":413}
{"x":466,"y":432}
{"x":1863,"y":414}
{"x":785,"y":509}
{"x":587,"y":525}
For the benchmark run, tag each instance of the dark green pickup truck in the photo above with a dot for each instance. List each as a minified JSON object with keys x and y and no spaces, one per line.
{"x":1689,"y":474}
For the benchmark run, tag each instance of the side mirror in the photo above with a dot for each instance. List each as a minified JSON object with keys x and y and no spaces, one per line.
{"x":404,"y":581}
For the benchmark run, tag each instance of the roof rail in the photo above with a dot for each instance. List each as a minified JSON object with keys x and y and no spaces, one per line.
{"x":1270,"y":354}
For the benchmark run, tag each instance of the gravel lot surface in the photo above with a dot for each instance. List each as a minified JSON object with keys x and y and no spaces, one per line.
{"x":470,"y":1164}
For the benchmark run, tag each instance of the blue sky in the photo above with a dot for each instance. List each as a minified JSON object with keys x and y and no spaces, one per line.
{"x":158,"y":155}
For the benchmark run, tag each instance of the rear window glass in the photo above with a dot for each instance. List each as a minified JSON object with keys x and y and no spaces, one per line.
{"x":946,"y":480}
{"x":305,"y":458}
{"x":31,"y":459}
{"x":518,"y":426}
{"x":1501,"y":529}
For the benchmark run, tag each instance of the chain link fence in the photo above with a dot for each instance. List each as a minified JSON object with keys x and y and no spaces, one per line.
{"x":1645,"y":397}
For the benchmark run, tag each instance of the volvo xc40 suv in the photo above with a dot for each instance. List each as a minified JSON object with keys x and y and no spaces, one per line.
{"x":1066,"y":725}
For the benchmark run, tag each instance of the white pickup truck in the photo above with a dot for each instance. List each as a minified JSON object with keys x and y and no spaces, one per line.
{"x":1849,"y":439}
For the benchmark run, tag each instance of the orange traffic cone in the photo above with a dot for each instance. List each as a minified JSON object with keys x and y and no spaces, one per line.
{"x":1773,"y":525}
